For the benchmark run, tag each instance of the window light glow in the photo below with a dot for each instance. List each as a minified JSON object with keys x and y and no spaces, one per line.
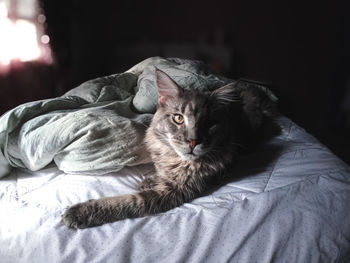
{"x":3,"y":10}
{"x":19,"y":40}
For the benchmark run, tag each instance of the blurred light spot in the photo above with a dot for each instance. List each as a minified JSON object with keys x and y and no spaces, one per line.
{"x":45,"y":39}
{"x":41,"y":18}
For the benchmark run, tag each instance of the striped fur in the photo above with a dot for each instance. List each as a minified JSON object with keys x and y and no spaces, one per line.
{"x":189,"y":158}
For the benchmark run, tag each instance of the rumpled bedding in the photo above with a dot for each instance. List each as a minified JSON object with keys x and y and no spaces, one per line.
{"x":289,"y":202}
{"x":97,"y":127}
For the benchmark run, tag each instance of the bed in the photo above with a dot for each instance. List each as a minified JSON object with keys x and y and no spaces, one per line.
{"x":289,"y":200}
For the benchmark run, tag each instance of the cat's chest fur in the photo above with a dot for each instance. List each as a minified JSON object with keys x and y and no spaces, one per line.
{"x":172,"y":166}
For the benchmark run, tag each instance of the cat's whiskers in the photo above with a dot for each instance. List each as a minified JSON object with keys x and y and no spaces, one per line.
{"x":163,"y":140}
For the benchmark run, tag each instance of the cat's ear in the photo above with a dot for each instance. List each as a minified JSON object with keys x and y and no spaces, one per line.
{"x":226,"y":94}
{"x":167,"y":88}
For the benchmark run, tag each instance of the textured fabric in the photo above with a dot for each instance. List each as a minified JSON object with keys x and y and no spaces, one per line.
{"x":97,"y":127}
{"x":290,"y":202}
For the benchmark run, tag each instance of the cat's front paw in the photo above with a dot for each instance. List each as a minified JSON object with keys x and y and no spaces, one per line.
{"x":81,"y":215}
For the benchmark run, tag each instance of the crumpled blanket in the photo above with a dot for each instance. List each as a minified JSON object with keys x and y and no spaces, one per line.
{"x":97,"y":127}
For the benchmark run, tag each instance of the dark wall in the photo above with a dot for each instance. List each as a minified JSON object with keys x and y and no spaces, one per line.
{"x":301,"y":49}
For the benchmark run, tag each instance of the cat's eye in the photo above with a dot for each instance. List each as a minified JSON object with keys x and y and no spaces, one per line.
{"x":178,"y":118}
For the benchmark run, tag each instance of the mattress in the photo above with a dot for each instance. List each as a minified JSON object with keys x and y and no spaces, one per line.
{"x":289,"y":201}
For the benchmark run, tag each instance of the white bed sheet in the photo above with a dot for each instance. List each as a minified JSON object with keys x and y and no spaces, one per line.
{"x":289,"y":203}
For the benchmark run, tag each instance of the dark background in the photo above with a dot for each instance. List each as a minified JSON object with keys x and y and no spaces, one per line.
{"x":301,"y":49}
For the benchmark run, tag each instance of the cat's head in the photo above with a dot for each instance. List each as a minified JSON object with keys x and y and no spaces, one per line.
{"x":193,"y":123}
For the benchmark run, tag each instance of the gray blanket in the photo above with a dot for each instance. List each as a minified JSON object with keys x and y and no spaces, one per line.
{"x":97,"y":127}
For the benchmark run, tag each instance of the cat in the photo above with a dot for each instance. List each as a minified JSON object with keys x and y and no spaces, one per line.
{"x":194,"y":140}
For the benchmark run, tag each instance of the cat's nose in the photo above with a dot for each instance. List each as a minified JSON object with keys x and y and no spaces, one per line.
{"x":192,"y":143}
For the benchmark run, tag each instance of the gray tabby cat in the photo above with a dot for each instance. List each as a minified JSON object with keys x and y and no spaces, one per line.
{"x":193,"y":141}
